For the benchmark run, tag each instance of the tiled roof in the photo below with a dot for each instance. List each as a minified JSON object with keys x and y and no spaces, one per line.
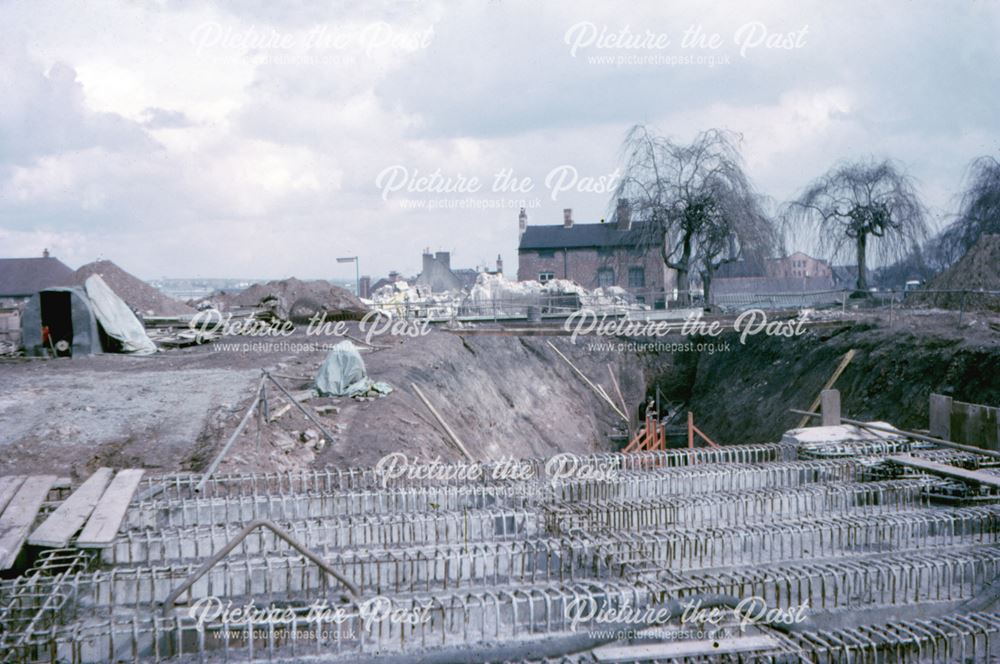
{"x":20,"y":277}
{"x":583,"y":235}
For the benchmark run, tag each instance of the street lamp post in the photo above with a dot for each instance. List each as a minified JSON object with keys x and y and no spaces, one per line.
{"x":357,"y":272}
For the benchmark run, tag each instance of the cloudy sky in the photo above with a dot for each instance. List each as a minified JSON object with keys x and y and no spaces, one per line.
{"x":263,"y":139}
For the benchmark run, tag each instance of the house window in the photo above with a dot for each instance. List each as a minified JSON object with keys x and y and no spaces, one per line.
{"x":605,"y":251}
{"x":605,"y":277}
{"x":546,"y":253}
{"x":637,"y":277}
{"x":546,"y":276}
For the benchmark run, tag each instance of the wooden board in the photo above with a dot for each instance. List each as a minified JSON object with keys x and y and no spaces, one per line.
{"x":944,"y":470}
{"x":679,"y":649}
{"x":8,"y":487}
{"x":69,"y":517}
{"x":107,"y":517}
{"x":19,"y":516}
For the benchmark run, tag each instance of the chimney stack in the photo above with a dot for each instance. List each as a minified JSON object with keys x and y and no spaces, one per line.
{"x":568,"y":218}
{"x":45,"y":253}
{"x":499,"y":264}
{"x":522,"y":222}
{"x":623,"y":214}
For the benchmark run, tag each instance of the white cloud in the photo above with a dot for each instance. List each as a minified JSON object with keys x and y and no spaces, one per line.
{"x":129,"y":134}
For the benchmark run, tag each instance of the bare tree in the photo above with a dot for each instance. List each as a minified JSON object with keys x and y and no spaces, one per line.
{"x":979,"y":212}
{"x":868,"y":208}
{"x":690,"y":198}
{"x":738,"y":228}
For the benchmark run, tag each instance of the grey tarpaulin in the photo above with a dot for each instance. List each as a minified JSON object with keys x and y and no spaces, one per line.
{"x":343,"y":374}
{"x":116,"y":318}
{"x":342,"y":368}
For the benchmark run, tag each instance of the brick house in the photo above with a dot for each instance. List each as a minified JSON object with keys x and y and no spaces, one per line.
{"x":798,"y":264}
{"x":621,"y":254}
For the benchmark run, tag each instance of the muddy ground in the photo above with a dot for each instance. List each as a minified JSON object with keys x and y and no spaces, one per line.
{"x":504,"y":396}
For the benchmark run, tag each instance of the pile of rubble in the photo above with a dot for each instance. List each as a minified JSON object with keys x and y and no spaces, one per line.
{"x":495,"y":294}
{"x":139,"y":295}
{"x":293,"y":299}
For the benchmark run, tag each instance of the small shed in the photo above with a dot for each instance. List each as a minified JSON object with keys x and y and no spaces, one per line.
{"x":67,"y":314}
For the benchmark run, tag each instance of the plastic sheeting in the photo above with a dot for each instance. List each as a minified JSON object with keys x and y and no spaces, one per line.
{"x":116,"y":318}
{"x":343,"y":374}
{"x":342,"y":368}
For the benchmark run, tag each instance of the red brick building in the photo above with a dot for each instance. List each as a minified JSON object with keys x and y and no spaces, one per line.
{"x":620,"y":253}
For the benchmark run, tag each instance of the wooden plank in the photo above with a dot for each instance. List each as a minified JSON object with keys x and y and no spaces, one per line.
{"x":18,"y":517}
{"x":8,"y":487}
{"x":944,"y":470}
{"x":844,"y":361}
{"x":679,"y":649}
{"x":69,"y":517}
{"x":103,"y":524}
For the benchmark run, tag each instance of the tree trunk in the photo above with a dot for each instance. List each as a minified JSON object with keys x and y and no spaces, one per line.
{"x":683,"y":287}
{"x":862,"y":251}
{"x":706,"y":277}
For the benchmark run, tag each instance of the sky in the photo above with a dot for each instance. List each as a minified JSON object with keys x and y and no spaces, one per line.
{"x":183,"y":138}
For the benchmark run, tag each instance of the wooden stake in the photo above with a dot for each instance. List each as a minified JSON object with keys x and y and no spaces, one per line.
{"x":844,"y":361}
{"x":437,"y":416}
{"x":600,"y":392}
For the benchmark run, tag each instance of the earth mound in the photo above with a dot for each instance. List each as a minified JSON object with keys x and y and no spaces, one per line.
{"x":297,"y":300}
{"x":139,"y":295}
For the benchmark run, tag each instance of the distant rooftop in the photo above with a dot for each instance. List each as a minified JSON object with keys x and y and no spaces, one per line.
{"x":23,"y":277}
{"x":579,"y":236}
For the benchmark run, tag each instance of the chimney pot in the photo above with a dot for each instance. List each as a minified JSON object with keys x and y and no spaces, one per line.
{"x":45,"y":253}
{"x":568,"y":218}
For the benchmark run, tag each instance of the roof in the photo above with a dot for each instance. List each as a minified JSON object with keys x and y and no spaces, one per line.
{"x":579,"y":236}
{"x":21,"y":277}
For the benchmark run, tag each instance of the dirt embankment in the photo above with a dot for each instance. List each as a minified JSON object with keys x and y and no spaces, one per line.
{"x":744,"y":395}
{"x":505,"y":396}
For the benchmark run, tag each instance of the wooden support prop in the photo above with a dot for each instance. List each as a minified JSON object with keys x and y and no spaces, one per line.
{"x":19,"y":515}
{"x":232,"y":439}
{"x":844,"y":361}
{"x":8,"y":487}
{"x":621,"y":398}
{"x":600,"y":392}
{"x":69,"y":517}
{"x":437,"y":416}
{"x":106,"y":519}
{"x":293,"y":401}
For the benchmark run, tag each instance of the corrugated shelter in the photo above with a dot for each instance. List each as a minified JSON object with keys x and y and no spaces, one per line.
{"x":67,"y":314}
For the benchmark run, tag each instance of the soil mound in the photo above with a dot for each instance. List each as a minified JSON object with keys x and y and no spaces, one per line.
{"x":139,"y":295}
{"x":979,"y":269}
{"x":297,"y":300}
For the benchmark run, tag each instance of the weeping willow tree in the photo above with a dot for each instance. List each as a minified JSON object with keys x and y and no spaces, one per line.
{"x":695,"y":201}
{"x":863,"y":210}
{"x":979,"y":212}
